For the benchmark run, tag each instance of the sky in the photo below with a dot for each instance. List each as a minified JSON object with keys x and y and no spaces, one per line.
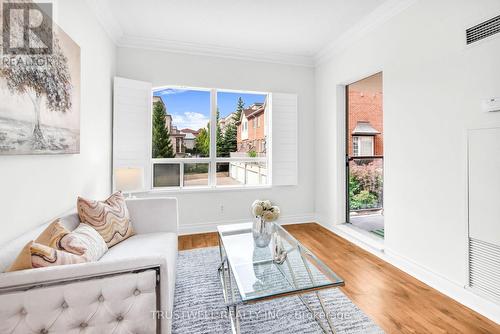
{"x":191,"y":108}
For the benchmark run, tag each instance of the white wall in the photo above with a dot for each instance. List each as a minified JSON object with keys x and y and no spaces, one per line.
{"x":34,"y":189}
{"x":433,"y":86}
{"x":200,"y":211}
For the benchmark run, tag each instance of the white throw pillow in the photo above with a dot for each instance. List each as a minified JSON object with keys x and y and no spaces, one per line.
{"x":86,"y":241}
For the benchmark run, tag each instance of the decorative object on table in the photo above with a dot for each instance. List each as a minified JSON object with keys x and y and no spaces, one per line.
{"x":40,"y":91}
{"x":261,"y":272}
{"x":129,"y":180}
{"x":279,"y":252}
{"x":265,"y":213}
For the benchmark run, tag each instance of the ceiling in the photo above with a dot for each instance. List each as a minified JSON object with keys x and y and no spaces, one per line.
{"x":294,"y":31}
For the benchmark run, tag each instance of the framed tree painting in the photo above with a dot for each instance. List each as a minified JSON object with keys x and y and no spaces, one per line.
{"x":39,"y":93}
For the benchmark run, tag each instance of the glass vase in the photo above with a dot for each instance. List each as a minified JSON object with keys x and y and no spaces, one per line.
{"x":262,"y":232}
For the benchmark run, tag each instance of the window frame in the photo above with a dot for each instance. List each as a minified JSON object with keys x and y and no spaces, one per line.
{"x":244,"y":128}
{"x":212,"y":160}
{"x":357,"y":139}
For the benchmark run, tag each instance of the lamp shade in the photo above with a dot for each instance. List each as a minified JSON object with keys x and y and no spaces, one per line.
{"x":129,"y":179}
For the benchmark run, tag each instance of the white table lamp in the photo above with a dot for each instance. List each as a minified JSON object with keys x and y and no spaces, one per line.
{"x":129,"y":180}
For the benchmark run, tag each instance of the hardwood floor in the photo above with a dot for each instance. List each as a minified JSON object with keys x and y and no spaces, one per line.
{"x":396,"y":301}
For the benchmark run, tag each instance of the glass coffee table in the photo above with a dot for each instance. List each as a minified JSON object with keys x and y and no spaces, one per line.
{"x":249,"y":274}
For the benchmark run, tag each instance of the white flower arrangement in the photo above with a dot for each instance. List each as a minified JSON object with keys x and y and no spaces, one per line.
{"x":265,"y":210}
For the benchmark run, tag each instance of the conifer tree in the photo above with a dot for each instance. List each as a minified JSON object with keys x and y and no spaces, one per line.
{"x":230,"y":140}
{"x":239,"y":109}
{"x":162,"y":146}
{"x":219,"y":136}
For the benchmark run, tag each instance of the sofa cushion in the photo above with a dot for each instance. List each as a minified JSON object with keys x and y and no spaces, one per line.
{"x":109,"y":217}
{"x":147,"y":244}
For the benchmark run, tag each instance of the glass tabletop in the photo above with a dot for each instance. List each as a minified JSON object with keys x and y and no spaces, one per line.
{"x":258,"y":277}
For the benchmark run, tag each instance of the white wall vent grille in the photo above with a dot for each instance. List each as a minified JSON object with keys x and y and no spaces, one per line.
{"x":483,"y":30}
{"x":484,"y":268}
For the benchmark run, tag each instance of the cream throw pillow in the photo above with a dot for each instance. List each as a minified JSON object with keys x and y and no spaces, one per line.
{"x":84,"y":240}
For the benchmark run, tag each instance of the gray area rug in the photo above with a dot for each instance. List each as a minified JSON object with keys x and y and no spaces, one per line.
{"x":199,"y":305}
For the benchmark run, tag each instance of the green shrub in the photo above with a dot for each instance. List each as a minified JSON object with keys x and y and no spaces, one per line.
{"x":365,"y":185}
{"x":195,"y":168}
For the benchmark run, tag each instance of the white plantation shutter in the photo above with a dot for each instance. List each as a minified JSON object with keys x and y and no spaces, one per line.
{"x":132,"y":126}
{"x":284,"y":139}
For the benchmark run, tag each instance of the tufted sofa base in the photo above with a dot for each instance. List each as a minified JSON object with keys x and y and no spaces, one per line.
{"x":118,"y":303}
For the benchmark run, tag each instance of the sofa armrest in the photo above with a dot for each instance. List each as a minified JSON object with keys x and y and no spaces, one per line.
{"x":58,"y":274}
{"x":159,"y":214}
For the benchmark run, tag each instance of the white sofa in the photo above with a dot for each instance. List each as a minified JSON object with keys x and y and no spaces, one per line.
{"x":129,"y":290}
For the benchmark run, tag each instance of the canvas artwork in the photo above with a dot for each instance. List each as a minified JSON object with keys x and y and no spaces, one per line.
{"x":40,"y":99}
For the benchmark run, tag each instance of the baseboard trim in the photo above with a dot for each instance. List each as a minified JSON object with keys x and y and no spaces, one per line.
{"x":452,"y":289}
{"x":212,"y":226}
{"x":436,"y":281}
{"x":352,"y":234}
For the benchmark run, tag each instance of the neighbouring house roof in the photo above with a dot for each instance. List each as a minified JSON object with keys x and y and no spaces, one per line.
{"x":178,"y":134}
{"x":229,"y":119}
{"x":364,"y":128}
{"x":253,"y":111}
{"x":194,"y":132}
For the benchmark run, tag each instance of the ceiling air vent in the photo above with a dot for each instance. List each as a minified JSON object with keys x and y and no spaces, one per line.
{"x":483,"y":30}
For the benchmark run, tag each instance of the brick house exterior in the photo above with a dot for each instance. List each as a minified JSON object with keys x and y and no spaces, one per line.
{"x":251,"y":134}
{"x":365,"y":114}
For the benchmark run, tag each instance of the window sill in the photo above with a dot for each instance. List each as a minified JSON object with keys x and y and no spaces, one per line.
{"x":206,"y":189}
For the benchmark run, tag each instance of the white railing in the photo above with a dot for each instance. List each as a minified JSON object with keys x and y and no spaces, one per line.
{"x":248,"y":173}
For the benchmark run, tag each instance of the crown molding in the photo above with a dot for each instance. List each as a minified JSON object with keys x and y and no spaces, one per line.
{"x":105,"y":17}
{"x":379,"y":16}
{"x":139,"y":42}
{"x":109,"y":23}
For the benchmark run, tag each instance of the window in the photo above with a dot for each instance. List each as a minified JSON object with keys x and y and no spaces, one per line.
{"x":201,"y":138}
{"x":355,"y":146}
{"x":362,"y":146}
{"x":244,"y":125}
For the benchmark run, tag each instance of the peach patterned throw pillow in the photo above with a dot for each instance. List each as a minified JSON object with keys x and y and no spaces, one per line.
{"x":35,"y":255}
{"x":52,"y":234}
{"x":44,"y":256}
{"x":84,"y":240}
{"x":110,"y":217}
{"x":57,"y":246}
